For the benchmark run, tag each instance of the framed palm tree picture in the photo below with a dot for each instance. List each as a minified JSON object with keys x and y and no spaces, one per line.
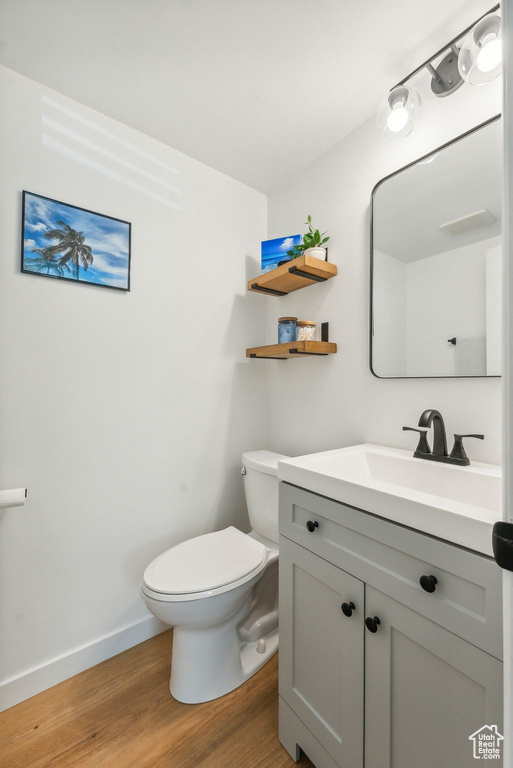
{"x":70,"y":243}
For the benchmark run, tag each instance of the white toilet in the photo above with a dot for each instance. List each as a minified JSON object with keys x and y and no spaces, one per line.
{"x":220,"y":593}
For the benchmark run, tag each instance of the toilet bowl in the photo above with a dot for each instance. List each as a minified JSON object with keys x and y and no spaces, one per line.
{"x":220,"y":593}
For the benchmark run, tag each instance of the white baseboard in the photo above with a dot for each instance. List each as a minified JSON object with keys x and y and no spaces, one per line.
{"x":32,"y":681}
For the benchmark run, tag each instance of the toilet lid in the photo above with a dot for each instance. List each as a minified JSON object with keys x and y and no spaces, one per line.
{"x":205,"y":562}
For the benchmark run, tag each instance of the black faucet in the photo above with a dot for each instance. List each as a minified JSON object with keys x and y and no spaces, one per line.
{"x":434,"y":418}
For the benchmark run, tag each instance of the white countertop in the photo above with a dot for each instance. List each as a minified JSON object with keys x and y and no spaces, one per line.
{"x":454,"y":503}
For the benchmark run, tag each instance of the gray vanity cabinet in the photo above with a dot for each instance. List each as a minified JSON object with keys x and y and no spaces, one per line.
{"x":321,"y":650}
{"x":408,"y":689}
{"x":441,"y":689}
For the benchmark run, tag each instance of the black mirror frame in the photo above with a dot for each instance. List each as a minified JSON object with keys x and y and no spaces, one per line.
{"x":371,"y":288}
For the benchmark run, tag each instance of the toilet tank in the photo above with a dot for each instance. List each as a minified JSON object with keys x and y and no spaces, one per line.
{"x":261,"y":489}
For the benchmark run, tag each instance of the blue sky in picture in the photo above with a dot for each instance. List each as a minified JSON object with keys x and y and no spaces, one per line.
{"x":275,"y":250}
{"x":107,"y":238}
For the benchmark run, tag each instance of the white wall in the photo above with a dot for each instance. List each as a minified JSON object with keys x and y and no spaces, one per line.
{"x":124,"y":414}
{"x":346,"y":404}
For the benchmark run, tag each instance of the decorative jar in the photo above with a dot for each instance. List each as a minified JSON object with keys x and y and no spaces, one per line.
{"x":305,"y":330}
{"x":286,"y":329}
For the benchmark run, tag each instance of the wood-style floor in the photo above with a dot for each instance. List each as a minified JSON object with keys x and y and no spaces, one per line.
{"x":120,"y":714}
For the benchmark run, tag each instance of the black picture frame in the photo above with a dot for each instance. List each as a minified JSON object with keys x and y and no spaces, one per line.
{"x":103,"y":226}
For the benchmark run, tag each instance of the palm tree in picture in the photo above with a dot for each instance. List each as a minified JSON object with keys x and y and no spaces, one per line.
{"x":45,"y":266}
{"x":70,"y":249}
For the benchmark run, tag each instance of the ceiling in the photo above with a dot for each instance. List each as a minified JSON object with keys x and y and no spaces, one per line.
{"x":254,"y":88}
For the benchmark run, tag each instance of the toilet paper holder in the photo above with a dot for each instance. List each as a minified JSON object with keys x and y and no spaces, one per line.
{"x":13,"y":497}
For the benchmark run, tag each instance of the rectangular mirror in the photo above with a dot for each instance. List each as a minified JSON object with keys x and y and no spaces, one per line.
{"x":436,"y":250}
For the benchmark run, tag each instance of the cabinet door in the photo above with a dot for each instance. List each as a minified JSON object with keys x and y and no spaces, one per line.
{"x":321,"y":651}
{"x":426,"y":691}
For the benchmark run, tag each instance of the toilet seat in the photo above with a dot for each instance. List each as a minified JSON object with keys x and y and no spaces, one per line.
{"x":205,"y":566}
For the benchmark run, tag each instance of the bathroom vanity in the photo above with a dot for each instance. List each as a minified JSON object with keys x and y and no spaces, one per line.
{"x":390,"y":636}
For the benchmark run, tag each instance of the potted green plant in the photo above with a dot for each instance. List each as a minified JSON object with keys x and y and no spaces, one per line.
{"x":312,"y":245}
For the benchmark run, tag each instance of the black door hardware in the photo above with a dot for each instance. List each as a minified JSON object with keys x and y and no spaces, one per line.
{"x":502,"y":543}
{"x":372,"y":623}
{"x":347,"y":609}
{"x":311,"y":525}
{"x":428,"y":583}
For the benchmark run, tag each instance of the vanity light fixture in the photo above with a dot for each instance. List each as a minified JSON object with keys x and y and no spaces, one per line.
{"x":477,"y":62}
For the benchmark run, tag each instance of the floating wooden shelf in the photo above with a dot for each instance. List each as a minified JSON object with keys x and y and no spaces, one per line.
{"x":295,"y":274}
{"x":292,"y":349}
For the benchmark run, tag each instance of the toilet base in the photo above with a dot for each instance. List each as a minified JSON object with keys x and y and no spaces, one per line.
{"x":192,"y":682}
{"x":207,"y":663}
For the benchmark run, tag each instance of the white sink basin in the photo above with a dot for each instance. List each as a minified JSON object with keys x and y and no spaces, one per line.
{"x":459,"y":504}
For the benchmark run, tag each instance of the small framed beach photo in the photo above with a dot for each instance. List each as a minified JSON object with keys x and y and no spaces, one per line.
{"x":66,"y":242}
{"x":274,"y":251}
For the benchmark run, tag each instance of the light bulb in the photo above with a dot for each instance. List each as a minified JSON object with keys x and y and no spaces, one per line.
{"x":397,"y":118}
{"x":490,"y":55}
{"x":398,"y":111}
{"x":479,"y":59}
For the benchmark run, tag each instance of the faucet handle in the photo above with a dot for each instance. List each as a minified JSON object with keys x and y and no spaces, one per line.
{"x":423,"y":446}
{"x":458,"y":451}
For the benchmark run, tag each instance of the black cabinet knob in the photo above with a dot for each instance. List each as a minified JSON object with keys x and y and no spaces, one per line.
{"x":347,"y":609}
{"x":428,"y":583}
{"x":311,"y":525}
{"x":372,"y":623}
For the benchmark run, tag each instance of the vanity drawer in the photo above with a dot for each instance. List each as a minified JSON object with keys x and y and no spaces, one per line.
{"x":467,"y":599}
